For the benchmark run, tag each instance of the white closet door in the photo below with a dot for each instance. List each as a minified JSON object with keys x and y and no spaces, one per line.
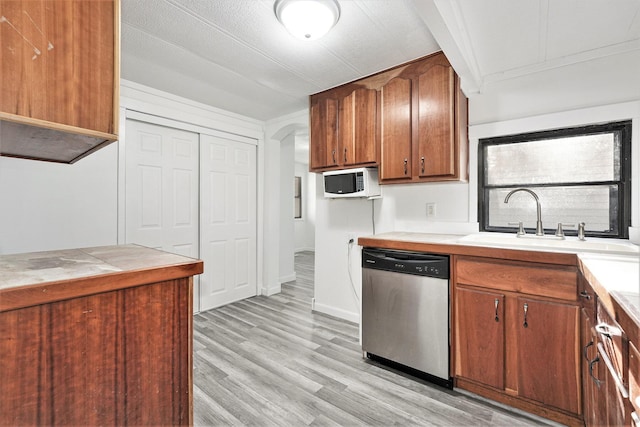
{"x":228,"y":221}
{"x":161,"y":188}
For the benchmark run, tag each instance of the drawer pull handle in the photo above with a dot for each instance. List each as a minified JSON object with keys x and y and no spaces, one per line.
{"x":585,"y":295}
{"x":496,"y":302}
{"x":333,"y":155}
{"x":526,"y":309}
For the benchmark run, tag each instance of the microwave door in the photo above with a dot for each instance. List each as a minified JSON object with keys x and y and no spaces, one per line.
{"x":340,"y":184}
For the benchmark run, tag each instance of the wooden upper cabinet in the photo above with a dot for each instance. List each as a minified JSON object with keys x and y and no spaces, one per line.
{"x":60,"y":77}
{"x":410,"y":121}
{"x":357,"y":128}
{"x":343,"y":129}
{"x":323,"y":142}
{"x":438,"y":125}
{"x":436,"y":122}
{"x":395,"y":112}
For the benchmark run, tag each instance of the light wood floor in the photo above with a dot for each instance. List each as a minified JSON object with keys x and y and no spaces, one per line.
{"x":270,"y":361}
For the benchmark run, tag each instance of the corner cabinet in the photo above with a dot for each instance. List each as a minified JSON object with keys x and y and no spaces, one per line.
{"x":410,"y":121}
{"x":60,"y":78}
{"x":517,"y":332}
{"x":424,"y":124}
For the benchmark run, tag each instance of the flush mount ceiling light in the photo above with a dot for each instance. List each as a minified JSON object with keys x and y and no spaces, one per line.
{"x":307,"y":19}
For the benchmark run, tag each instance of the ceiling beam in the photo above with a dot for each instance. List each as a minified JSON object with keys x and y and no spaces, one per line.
{"x":444,"y":20}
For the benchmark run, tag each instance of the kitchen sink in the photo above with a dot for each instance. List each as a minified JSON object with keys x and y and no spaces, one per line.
{"x":551,"y":243}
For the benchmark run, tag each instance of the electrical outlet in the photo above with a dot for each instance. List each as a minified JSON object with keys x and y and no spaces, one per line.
{"x":431,"y":210}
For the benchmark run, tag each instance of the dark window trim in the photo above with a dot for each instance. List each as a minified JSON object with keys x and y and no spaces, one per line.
{"x":623,"y":217}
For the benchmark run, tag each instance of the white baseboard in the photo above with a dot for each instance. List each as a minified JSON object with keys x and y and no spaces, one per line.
{"x":336,"y":312}
{"x":271,"y":290}
{"x":290,"y":278}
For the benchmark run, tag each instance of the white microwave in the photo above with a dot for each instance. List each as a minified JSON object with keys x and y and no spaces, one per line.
{"x":359,"y":182}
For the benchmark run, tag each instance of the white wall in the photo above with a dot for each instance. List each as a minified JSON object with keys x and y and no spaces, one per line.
{"x":304,"y":233}
{"x":276,"y":131}
{"x":48,"y":206}
{"x":285,"y":198}
{"x":569,"y":96}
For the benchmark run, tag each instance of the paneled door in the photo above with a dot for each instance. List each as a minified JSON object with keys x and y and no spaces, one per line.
{"x":162,"y":189}
{"x":228,"y":220}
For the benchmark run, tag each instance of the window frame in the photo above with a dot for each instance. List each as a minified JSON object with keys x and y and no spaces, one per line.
{"x":624,"y":202}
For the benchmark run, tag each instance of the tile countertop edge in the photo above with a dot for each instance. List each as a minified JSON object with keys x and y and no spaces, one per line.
{"x":120,"y":266}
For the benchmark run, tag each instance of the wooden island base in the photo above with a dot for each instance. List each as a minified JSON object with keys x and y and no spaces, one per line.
{"x":110,"y":348}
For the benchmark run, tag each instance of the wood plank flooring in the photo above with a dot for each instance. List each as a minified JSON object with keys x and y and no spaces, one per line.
{"x":270,"y":361}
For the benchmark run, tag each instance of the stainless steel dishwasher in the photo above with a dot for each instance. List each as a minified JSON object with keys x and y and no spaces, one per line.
{"x":405,"y":311}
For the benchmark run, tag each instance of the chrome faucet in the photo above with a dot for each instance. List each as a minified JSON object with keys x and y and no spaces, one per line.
{"x":539,"y":228}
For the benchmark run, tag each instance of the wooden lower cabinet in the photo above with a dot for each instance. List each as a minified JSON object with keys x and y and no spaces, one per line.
{"x":547,"y":353}
{"x":518,"y":348}
{"x":117,"y":358}
{"x":113,"y":349}
{"x":480,"y":336}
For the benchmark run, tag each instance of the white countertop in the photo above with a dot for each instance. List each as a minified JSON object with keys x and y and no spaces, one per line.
{"x":619,"y":275}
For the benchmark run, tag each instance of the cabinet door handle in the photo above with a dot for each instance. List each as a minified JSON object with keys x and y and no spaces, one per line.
{"x":596,"y":381}
{"x":584,"y":350}
{"x":495,"y":303}
{"x":345,"y":155}
{"x":526,"y":309}
{"x":422,"y":164}
{"x":405,"y":166}
{"x":333,"y":155}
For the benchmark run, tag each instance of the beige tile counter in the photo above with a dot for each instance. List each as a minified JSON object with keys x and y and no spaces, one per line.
{"x":41,"y":277}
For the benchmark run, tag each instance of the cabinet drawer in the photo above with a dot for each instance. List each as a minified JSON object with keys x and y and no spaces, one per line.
{"x":535,"y":279}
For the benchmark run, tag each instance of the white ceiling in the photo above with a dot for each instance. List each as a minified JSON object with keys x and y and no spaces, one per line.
{"x":235,"y":55}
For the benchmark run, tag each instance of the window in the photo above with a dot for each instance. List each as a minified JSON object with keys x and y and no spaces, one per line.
{"x":579,"y":174}
{"x":297,"y":197}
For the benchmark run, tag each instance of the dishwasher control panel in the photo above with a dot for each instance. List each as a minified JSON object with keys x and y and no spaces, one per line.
{"x":418,"y":263}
